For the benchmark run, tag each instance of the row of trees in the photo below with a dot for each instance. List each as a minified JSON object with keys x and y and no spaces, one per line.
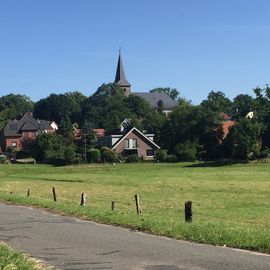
{"x":189,"y":132}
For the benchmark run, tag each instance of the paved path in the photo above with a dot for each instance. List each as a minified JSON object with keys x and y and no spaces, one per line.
{"x":68,"y":243}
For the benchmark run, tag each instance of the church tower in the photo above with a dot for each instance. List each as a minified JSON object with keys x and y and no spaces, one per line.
{"x":120,"y":77}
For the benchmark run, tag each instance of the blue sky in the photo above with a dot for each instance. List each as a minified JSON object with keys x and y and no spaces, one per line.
{"x":55,"y":46}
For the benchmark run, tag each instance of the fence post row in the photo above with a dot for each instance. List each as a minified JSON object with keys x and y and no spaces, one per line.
{"x":83,"y":199}
{"x":188,"y":211}
{"x":54,"y":194}
{"x":137,"y":201}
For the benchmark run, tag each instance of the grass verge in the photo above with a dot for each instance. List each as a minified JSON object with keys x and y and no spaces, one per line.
{"x":14,"y":260}
{"x":231,"y":204}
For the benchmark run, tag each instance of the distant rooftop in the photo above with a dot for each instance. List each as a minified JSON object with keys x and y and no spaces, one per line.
{"x":154,"y":98}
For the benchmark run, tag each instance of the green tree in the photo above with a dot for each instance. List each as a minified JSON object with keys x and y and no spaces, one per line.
{"x":13,"y":105}
{"x":107,"y":107}
{"x":90,"y":135}
{"x":53,"y":148}
{"x":242,"y":105}
{"x":189,"y":123}
{"x":60,"y":107}
{"x":261,"y":107}
{"x":217,"y":102}
{"x":244,"y":139}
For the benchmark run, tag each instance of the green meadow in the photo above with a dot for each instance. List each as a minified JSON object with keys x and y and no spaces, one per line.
{"x":231,"y":204}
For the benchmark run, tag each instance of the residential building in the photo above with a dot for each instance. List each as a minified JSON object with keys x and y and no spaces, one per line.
{"x":24,"y":128}
{"x":131,"y":141}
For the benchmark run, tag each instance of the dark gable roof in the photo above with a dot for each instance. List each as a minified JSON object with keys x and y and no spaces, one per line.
{"x":154,"y":98}
{"x":25,"y":123}
{"x":139,"y":134}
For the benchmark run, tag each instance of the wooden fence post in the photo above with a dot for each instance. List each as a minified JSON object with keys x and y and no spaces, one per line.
{"x":137,"y":201}
{"x":83,"y":199}
{"x":113,"y":205}
{"x":188,"y":211}
{"x":54,"y":194}
{"x":28,"y":192}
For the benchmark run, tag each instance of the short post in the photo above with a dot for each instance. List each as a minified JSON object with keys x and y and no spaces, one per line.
{"x":83,"y":199}
{"x":113,"y":205}
{"x":54,"y":194}
{"x":137,"y":201}
{"x":188,"y":211}
{"x":28,"y":193}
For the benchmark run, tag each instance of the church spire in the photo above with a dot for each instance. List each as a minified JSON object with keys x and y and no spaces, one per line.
{"x":120,"y":77}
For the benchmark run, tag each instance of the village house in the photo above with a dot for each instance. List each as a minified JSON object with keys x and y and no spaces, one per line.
{"x":24,"y":128}
{"x":131,"y":141}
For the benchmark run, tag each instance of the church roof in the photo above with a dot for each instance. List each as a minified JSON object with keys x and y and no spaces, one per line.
{"x":153,"y":99}
{"x":120,"y":77}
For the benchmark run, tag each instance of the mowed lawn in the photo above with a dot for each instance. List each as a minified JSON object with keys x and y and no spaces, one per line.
{"x":231,"y":204}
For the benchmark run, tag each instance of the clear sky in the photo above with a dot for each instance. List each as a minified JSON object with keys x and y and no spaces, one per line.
{"x":55,"y":46}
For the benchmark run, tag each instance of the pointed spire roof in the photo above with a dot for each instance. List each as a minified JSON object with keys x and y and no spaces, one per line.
{"x":120,"y":77}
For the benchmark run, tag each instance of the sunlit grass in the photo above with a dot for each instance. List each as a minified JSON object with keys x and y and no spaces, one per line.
{"x":14,"y":260}
{"x":231,"y":204}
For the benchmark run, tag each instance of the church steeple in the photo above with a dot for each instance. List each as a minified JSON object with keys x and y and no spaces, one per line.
{"x":120,"y":77}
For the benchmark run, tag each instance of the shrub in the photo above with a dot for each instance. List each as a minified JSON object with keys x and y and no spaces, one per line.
{"x":171,"y":158}
{"x":93,"y":155}
{"x":133,"y":158}
{"x":186,"y":151}
{"x":3,"y":159}
{"x":108,"y":155}
{"x":161,"y":155}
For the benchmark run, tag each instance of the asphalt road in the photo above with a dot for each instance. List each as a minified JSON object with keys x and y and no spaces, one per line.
{"x":69,"y":243}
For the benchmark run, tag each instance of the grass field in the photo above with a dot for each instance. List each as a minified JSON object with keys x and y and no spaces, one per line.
{"x":231,"y":204}
{"x":14,"y":260}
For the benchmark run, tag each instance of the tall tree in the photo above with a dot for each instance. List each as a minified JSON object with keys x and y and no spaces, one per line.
{"x":107,"y":107}
{"x":13,"y":105}
{"x":217,"y":102}
{"x":244,"y":139}
{"x":242,"y":105}
{"x":60,"y":107}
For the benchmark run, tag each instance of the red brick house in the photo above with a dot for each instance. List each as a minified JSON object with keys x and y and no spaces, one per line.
{"x":131,"y":142}
{"x":24,"y":128}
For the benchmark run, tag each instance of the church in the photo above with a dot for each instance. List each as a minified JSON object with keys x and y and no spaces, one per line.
{"x":154,"y":99}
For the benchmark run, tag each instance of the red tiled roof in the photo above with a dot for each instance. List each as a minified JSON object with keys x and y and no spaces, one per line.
{"x":226,"y":126}
{"x":225,"y":116}
{"x":78,"y":133}
{"x":100,"y":132}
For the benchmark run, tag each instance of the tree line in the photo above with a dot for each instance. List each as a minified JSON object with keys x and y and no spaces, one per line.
{"x":190,"y":132}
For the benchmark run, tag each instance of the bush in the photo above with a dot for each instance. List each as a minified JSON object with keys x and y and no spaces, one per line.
{"x":108,"y":155}
{"x":3,"y":159}
{"x":186,"y":151}
{"x":93,"y":155}
{"x":171,"y":158}
{"x":133,"y":158}
{"x":161,"y":155}
{"x":263,"y":154}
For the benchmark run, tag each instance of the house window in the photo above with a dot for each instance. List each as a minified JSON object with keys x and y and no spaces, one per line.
{"x":134,"y":143}
{"x":126,"y":143}
{"x":150,"y":152}
{"x":14,"y":144}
